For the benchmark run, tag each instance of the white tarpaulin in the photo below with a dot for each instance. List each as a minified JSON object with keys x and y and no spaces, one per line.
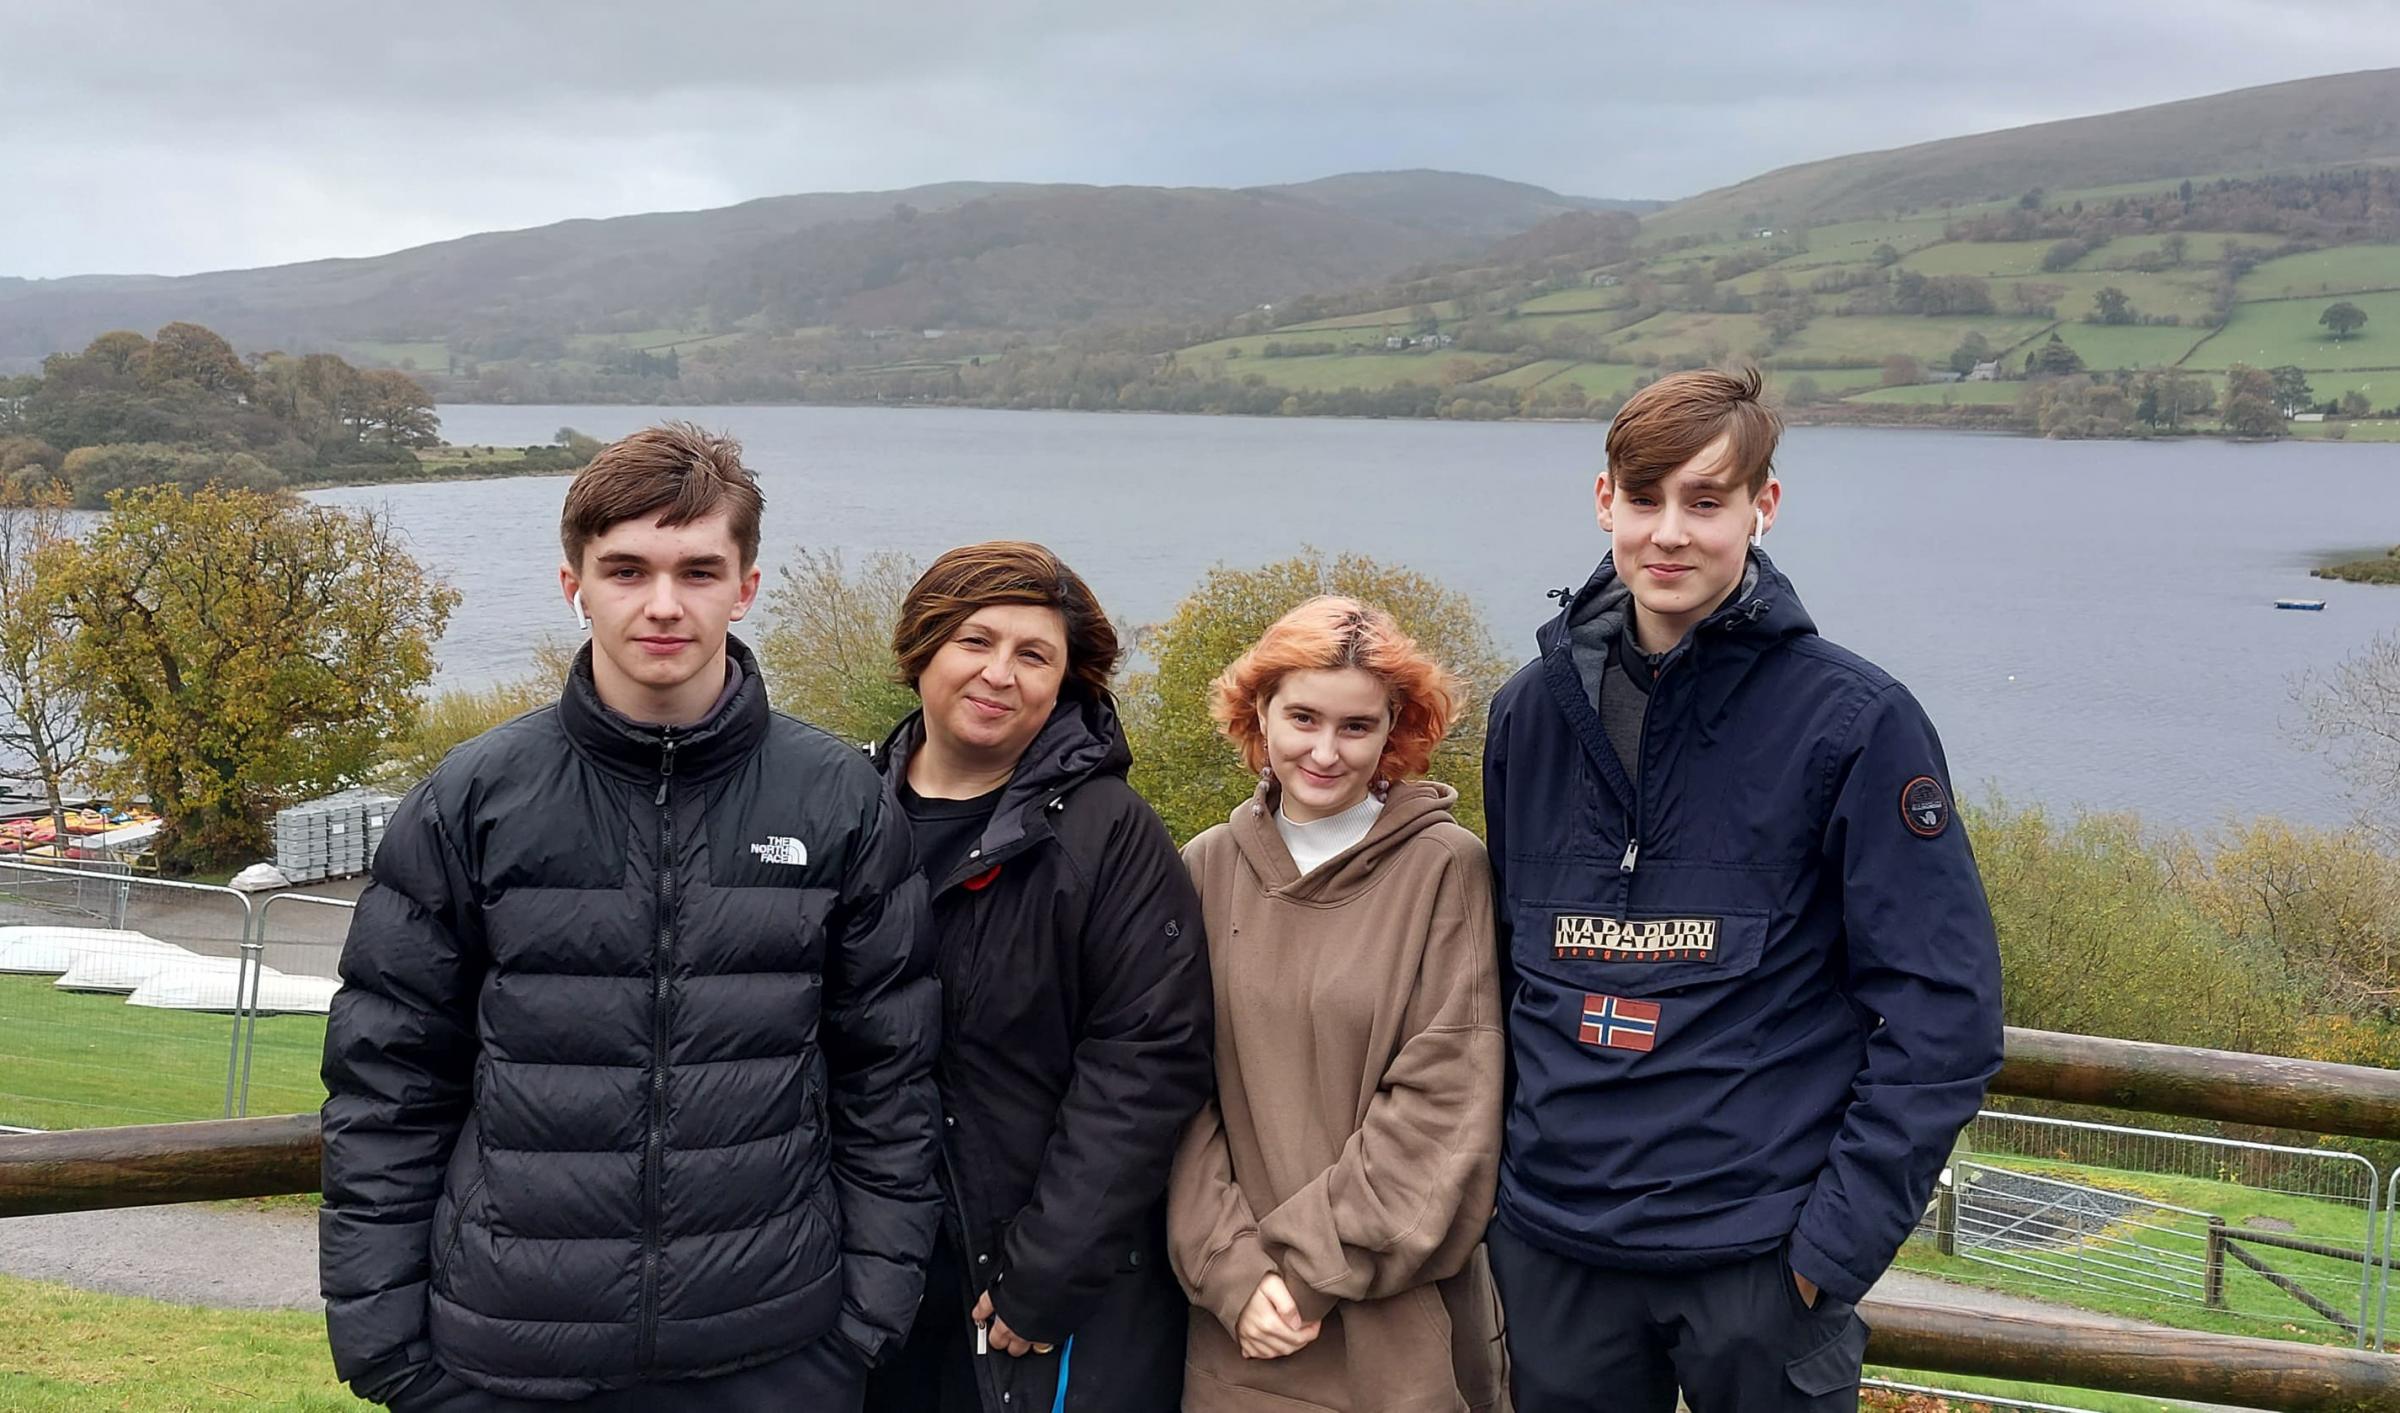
{"x":126,"y":971}
{"x":186,"y":988}
{"x":52,"y":951}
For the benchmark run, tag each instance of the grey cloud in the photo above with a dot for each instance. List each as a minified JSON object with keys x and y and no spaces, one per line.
{"x":170,"y":137}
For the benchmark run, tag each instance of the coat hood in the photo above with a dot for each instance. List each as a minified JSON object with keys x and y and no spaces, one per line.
{"x":1081,"y":741}
{"x":1412,"y":807}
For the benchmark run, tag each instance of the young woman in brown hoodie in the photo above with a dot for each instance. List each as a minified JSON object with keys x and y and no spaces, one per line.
{"x":1327,"y":1208}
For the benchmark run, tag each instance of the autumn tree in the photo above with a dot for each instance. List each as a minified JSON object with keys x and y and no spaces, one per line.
{"x":2249,"y":409}
{"x":45,"y":732}
{"x":243,"y":650}
{"x":189,"y":354}
{"x":1188,"y":772}
{"x":828,"y":655}
{"x":2342,"y":320}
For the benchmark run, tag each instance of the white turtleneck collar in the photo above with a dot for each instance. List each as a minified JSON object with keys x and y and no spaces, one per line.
{"x":1320,"y":839}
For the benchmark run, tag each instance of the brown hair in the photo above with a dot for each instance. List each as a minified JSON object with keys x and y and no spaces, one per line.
{"x":1674,"y":419}
{"x":1325,"y":634}
{"x":978,"y":576}
{"x":676,"y":467}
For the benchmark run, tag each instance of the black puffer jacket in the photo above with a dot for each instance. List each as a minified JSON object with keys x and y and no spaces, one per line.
{"x":629,"y":1071}
{"x":1077,"y":1040}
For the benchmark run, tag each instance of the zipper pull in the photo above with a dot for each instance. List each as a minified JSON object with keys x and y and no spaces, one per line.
{"x":1633,"y":849}
{"x":666,"y":767}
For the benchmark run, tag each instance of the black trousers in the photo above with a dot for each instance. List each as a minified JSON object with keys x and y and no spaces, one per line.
{"x":934,"y":1371}
{"x":1735,"y":1338}
{"x":816,"y":1380}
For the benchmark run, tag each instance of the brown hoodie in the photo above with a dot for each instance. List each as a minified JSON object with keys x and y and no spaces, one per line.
{"x":1354,"y":1142}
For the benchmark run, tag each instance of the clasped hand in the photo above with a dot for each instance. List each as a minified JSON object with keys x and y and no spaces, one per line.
{"x":1270,"y":1326}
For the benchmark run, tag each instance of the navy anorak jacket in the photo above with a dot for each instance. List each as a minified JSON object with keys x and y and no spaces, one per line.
{"x":1753,"y":1000}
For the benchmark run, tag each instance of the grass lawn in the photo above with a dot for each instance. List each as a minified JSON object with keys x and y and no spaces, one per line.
{"x":2130,"y":345}
{"x":2029,"y":1393}
{"x":71,"y":1351}
{"x":1828,"y":380}
{"x":2267,"y":333}
{"x":72,"y":1060}
{"x":2328,"y":272}
{"x":2252,"y":1306}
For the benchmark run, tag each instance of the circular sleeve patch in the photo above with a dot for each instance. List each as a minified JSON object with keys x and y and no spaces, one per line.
{"x":1925,"y":807}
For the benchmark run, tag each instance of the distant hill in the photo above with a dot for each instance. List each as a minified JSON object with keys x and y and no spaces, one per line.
{"x":2338,"y":120}
{"x":964,"y":253}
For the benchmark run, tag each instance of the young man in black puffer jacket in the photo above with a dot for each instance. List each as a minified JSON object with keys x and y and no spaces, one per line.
{"x":631,"y":1098}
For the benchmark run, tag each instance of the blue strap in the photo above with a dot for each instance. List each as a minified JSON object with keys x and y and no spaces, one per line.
{"x":1066,"y":1361}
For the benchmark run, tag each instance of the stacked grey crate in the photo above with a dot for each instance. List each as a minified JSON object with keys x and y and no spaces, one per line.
{"x":334,"y":837}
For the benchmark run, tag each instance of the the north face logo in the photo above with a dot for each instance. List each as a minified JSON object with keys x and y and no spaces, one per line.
{"x":779,"y":850}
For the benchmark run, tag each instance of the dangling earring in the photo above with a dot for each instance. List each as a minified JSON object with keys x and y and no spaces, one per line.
{"x":1381,"y":787}
{"x":1266,"y":778}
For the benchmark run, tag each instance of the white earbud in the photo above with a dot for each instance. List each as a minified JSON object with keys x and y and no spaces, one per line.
{"x":1758,"y":527}
{"x":584,"y":620}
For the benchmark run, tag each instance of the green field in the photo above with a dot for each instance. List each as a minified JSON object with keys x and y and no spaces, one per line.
{"x":2328,"y":272}
{"x":1872,"y":338}
{"x":2200,"y":249}
{"x":72,"y":1351}
{"x":2130,"y":345}
{"x":1446,"y":309}
{"x":1334,"y":372}
{"x":1677,"y":333}
{"x":1992,"y":259}
{"x":1988,"y":394}
{"x":1578,"y":301}
{"x":72,"y":1060}
{"x":2266,"y":335}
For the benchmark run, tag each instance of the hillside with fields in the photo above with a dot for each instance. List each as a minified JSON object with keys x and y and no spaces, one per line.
{"x":2254,"y":303}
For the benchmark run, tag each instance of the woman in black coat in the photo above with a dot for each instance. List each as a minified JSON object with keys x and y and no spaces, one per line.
{"x":1076,"y":1022}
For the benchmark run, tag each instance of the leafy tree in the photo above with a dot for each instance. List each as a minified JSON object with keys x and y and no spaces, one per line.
{"x":2053,"y":359}
{"x":581,"y":445}
{"x":93,"y":473}
{"x":2112,"y":306}
{"x":242,"y":650}
{"x":2292,"y":392}
{"x":1884,"y":254}
{"x":1971,"y":350}
{"x":2343,"y":319}
{"x":2354,"y":404}
{"x":456,"y":715}
{"x":45,"y":729}
{"x":186,"y":353}
{"x":2063,"y":255}
{"x":1900,"y":369}
{"x":389,"y":406}
{"x":1187,"y":770}
{"x":2250,"y":409}
{"x":2163,"y":397}
{"x":2173,"y":248}
{"x":828,"y":656}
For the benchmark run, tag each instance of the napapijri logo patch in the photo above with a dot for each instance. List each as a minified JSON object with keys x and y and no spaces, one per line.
{"x":779,"y":850}
{"x":1925,"y":805}
{"x":1606,"y":939}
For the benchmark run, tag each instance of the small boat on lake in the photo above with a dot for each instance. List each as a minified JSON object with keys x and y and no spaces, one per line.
{"x":2302,"y":605}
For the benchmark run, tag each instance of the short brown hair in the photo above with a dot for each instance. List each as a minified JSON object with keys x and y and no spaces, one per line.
{"x":978,"y":576}
{"x":1326,"y":634}
{"x":1674,"y":419}
{"x":677,"y":467}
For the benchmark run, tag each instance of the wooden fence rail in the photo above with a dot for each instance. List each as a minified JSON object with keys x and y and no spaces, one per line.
{"x":90,"y":1169}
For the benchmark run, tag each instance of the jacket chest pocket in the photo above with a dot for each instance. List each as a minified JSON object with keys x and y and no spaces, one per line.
{"x":1649,"y":952}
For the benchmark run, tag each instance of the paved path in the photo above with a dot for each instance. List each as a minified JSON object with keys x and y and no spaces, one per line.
{"x":231,"y":1255}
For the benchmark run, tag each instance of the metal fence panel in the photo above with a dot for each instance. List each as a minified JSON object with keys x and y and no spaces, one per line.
{"x":299,"y":954}
{"x":86,"y":954}
{"x":2134,"y":1220}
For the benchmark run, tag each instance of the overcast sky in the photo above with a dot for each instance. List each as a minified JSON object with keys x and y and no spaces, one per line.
{"x":166,"y":136}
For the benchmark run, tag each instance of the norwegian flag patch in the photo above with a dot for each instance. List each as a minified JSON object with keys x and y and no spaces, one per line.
{"x":1616,"y":1023}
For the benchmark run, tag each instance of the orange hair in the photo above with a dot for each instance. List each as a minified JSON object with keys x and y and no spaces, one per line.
{"x":1326,"y":634}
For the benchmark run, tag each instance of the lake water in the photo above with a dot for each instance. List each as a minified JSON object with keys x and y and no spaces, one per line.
{"x":2089,"y":623}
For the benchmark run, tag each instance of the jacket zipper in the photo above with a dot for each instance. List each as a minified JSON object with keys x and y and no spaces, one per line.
{"x":655,"y":1141}
{"x":1748,"y":613}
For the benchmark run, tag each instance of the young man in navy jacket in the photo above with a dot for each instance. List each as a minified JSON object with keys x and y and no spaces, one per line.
{"x":1751,"y":983}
